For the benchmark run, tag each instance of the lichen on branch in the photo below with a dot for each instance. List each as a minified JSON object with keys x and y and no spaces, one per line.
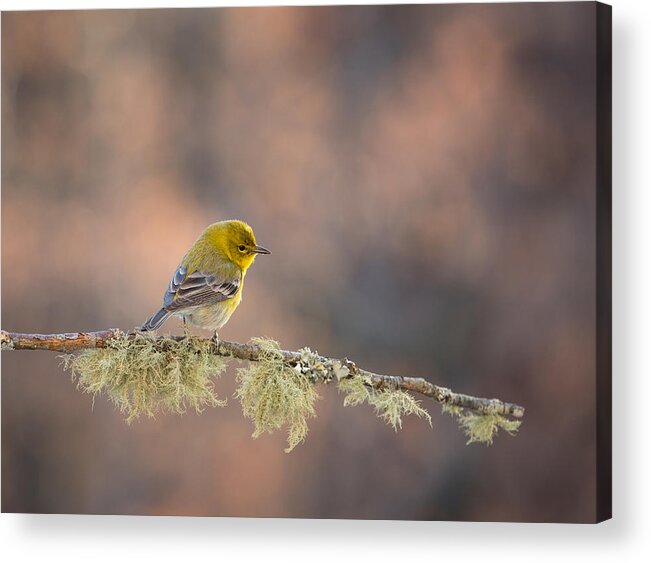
{"x":482,"y":428}
{"x":389,"y":404}
{"x":274,"y":395}
{"x":143,"y":376}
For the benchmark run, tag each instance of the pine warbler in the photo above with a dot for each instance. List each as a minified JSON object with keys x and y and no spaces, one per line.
{"x":207,"y":286}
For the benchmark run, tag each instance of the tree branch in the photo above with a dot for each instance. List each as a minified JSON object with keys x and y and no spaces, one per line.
{"x":328,"y":368}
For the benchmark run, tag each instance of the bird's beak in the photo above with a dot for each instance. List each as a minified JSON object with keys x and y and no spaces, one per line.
{"x":261,"y":250}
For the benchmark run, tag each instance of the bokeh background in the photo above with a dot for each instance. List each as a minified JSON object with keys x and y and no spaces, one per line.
{"x":425,"y":177}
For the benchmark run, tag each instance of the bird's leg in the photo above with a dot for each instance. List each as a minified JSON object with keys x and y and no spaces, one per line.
{"x":215,"y":338}
{"x":186,"y":330}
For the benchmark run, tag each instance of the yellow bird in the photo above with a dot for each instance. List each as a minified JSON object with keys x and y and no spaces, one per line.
{"x":207,"y":286}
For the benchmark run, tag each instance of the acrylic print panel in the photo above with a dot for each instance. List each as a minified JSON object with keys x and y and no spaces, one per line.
{"x":434,"y":184}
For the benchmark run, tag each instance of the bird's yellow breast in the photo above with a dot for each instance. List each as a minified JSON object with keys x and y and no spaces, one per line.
{"x":215,"y":316}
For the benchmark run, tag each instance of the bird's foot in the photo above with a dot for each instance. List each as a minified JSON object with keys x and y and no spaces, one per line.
{"x":186,"y":330}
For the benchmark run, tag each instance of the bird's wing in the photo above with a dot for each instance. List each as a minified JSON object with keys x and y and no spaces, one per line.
{"x":198,"y":288}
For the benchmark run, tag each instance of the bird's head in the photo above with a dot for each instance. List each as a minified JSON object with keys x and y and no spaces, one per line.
{"x":235,"y":239}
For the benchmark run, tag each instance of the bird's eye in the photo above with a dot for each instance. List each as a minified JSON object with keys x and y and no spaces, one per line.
{"x":241,"y":248}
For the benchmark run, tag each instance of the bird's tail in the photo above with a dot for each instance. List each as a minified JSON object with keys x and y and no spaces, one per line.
{"x":157,"y":319}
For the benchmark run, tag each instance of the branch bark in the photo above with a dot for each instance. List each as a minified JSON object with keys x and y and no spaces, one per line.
{"x":73,"y":341}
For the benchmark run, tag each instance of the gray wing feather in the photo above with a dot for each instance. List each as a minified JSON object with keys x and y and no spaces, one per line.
{"x":198,"y":288}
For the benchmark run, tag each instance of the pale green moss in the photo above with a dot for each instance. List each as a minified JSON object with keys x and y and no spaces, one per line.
{"x":452,"y":410}
{"x":390,"y":405}
{"x":144,"y":376}
{"x":274,"y":395}
{"x":483,"y":427}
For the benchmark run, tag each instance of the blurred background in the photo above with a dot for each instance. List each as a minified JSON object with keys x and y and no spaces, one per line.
{"x":425,"y":177}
